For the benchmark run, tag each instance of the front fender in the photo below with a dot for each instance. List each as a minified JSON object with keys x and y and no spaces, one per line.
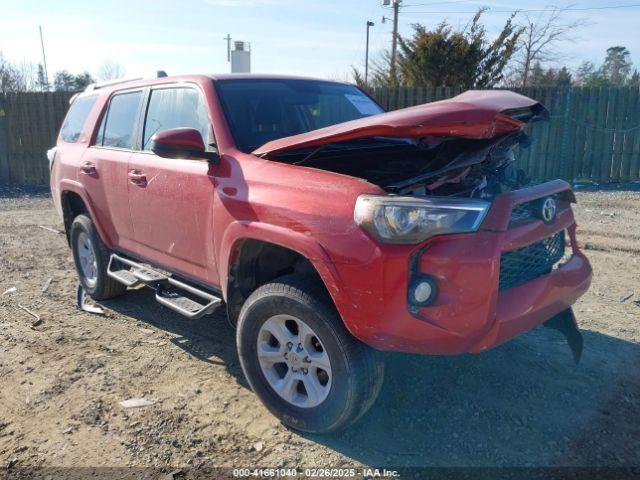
{"x":303,"y":244}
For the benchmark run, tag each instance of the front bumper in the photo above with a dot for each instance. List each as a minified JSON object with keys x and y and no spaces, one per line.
{"x":470,"y":313}
{"x":523,"y":308}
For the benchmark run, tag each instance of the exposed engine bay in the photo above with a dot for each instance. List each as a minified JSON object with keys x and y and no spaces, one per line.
{"x":427,"y":166}
{"x":465,"y":146}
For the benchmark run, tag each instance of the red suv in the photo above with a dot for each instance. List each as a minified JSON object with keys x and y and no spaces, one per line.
{"x":326,"y":227}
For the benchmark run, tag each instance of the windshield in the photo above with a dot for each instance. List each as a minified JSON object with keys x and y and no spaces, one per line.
{"x":260,"y":110}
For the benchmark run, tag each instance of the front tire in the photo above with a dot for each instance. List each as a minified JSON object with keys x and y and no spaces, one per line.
{"x":91,"y":258}
{"x":301,"y":361}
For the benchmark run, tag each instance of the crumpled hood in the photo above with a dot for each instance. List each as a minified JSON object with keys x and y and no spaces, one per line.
{"x":476,"y":114}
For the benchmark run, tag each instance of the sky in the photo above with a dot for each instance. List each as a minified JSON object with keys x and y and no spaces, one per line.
{"x":320,"y":38}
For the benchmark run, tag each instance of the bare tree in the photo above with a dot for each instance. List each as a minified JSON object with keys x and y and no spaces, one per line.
{"x":540,"y":38}
{"x":16,"y":77}
{"x":110,"y":70}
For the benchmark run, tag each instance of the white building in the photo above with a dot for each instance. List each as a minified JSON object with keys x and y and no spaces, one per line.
{"x":241,"y":57}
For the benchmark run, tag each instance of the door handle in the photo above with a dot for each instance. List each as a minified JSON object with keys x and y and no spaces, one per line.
{"x":88,"y":168}
{"x":137,"y":178}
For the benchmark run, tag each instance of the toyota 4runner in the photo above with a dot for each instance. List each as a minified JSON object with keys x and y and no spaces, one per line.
{"x":326,"y":227}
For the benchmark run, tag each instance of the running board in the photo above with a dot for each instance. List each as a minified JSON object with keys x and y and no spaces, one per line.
{"x":122,"y":275}
{"x":169,"y":291}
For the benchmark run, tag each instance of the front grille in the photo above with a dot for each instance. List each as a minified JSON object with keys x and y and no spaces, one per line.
{"x":527,"y":211}
{"x":522,"y":212}
{"x":530,"y":262}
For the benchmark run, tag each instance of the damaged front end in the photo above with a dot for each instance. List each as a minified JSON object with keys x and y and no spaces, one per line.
{"x":565,"y":322}
{"x":463,"y":147}
{"x":454,"y":192}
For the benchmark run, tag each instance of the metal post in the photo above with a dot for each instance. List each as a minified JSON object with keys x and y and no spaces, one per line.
{"x":228,"y":39}
{"x":44,"y":60}
{"x":366,"y":55}
{"x":394,"y":41}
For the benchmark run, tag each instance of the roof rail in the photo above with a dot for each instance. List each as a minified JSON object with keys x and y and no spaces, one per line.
{"x":95,"y":86}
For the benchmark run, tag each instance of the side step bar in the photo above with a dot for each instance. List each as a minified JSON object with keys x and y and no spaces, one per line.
{"x":169,"y":291}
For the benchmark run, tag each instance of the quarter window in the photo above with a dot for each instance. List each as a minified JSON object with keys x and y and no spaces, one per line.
{"x":117,"y":128}
{"x":175,"y":108}
{"x":74,"y":121}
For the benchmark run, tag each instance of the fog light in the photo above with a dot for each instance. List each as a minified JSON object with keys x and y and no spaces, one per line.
{"x":422,"y":290}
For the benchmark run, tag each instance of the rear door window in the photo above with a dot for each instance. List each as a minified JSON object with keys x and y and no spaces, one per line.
{"x":118,"y":124}
{"x":77,"y":115}
{"x":175,"y":108}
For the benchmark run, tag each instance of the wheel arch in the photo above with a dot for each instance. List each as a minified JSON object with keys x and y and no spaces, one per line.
{"x":75,"y":201}
{"x":253,"y":254}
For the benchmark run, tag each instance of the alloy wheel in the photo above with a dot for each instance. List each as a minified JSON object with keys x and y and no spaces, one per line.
{"x":294,"y":361}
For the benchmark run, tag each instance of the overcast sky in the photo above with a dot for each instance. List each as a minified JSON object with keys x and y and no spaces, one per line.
{"x":303,"y":37}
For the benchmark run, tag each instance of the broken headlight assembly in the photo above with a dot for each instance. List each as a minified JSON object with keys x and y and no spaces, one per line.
{"x":412,"y":220}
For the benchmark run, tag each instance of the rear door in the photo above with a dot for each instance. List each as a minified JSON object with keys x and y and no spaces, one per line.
{"x":171,"y":200}
{"x":103,"y":171}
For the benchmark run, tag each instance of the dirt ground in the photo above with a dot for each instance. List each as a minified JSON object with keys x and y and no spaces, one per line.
{"x":522,"y":404}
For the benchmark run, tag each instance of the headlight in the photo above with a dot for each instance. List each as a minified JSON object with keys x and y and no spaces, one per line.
{"x":413,"y":220}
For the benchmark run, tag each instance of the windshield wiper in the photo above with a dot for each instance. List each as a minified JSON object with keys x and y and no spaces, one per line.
{"x":311,"y":155}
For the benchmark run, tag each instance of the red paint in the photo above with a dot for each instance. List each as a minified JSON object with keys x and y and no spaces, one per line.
{"x":180,"y":137}
{"x":474,"y":114}
{"x":190,"y":216}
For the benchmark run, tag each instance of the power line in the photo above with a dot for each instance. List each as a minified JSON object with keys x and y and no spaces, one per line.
{"x":436,"y":3}
{"x":575,"y":9}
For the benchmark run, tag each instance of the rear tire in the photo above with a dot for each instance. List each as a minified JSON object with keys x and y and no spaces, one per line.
{"x":298,"y":309}
{"x":91,"y":258}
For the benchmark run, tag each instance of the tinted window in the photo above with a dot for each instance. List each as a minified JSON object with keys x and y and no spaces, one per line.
{"x":175,"y":108}
{"x":117,"y":125}
{"x":259,"y":111}
{"x":76,"y":117}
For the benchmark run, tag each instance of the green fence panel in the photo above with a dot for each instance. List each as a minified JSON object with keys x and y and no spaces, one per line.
{"x":592,"y":134}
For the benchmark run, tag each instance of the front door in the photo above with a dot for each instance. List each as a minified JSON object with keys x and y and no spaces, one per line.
{"x":171,"y":200}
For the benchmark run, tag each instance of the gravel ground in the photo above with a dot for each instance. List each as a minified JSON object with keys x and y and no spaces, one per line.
{"x":522,"y":404}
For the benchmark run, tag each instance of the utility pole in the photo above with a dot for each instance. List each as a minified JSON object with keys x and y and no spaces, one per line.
{"x":366,"y":55}
{"x":394,"y":40}
{"x":44,"y":60}
{"x":228,"y":39}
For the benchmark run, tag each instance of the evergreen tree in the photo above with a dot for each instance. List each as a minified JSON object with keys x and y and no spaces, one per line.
{"x":445,"y":56}
{"x":42,"y":83}
{"x":63,"y":81}
{"x":617,"y":66}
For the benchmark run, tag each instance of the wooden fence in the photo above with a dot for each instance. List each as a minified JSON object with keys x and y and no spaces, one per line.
{"x":29,"y":124}
{"x":593,"y":133}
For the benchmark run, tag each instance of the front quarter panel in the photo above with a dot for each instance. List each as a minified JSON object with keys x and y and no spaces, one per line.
{"x":306,"y":210}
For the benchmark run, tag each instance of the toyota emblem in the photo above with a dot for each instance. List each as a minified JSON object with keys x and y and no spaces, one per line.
{"x":548,"y":211}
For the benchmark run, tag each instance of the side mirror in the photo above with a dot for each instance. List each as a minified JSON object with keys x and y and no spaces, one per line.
{"x":181,"y":143}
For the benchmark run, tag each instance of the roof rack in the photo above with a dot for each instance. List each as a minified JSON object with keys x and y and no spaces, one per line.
{"x":95,"y":86}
